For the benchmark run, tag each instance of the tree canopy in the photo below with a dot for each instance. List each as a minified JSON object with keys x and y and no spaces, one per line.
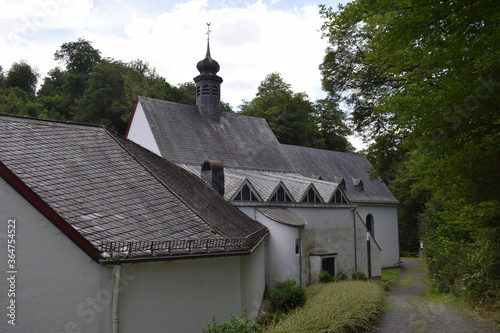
{"x":421,"y":80}
{"x":294,"y":119}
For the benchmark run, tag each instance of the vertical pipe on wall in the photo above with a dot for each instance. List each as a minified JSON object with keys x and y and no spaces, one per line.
{"x":355,"y":245}
{"x":116,"y":290}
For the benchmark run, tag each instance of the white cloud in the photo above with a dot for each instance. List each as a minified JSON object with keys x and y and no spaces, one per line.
{"x":249,"y":41}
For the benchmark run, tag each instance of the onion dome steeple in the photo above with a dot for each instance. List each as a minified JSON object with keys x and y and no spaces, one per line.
{"x":208,"y":85}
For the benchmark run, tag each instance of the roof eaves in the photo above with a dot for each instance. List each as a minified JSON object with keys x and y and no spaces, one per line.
{"x":48,"y":212}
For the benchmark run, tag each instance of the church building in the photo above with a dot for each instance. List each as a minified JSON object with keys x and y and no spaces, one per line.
{"x":323,"y":211}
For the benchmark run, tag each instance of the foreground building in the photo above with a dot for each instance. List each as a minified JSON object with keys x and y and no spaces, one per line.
{"x":322,"y":209}
{"x":106,"y":236}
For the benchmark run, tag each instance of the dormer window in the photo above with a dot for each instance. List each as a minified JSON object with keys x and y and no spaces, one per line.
{"x":311,"y":195}
{"x":246,"y":193}
{"x":339,"y":198}
{"x":281,"y":194}
{"x":358,"y":183}
{"x":341,"y":182}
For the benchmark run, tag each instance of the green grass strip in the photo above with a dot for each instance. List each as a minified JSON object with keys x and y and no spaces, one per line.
{"x":349,"y":306}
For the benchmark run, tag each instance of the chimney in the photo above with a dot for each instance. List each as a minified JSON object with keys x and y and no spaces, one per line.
{"x":212,"y":172}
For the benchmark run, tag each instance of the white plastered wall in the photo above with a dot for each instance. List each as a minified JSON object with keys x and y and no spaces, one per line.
{"x":140,"y":131}
{"x":179,"y":296}
{"x":385,"y":220}
{"x":59,"y":288}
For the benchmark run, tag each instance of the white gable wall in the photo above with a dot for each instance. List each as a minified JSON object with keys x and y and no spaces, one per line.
{"x":385,"y":220}
{"x":140,"y":131}
{"x":59,"y":288}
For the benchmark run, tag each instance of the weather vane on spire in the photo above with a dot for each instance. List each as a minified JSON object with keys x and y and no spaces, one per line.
{"x":208,"y":30}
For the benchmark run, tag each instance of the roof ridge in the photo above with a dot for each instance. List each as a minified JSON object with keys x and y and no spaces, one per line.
{"x":325,"y":150}
{"x":53,"y":121}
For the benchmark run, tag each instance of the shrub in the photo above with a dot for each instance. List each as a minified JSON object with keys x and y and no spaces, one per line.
{"x":341,"y":276}
{"x":360,"y":276}
{"x":236,"y":324}
{"x":286,"y":296}
{"x":325,"y":277}
{"x":350,"y":306}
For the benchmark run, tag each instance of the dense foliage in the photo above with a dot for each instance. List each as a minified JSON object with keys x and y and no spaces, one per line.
{"x":297,"y":121}
{"x":89,"y":88}
{"x":349,"y":306}
{"x":286,"y":296}
{"x":421,"y":78}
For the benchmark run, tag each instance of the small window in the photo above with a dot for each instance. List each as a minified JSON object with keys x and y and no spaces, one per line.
{"x":297,"y":246}
{"x":246,"y":193}
{"x":198,"y":91}
{"x":281,"y":195}
{"x":206,"y":89}
{"x":358,"y":183}
{"x":311,"y":195}
{"x":370,"y":225}
{"x":338,"y":198}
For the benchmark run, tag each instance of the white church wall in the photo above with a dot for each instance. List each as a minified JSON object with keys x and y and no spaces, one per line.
{"x":385,"y":231}
{"x":140,"y":131}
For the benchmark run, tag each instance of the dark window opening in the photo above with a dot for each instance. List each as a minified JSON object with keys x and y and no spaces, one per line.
{"x":311,"y":196}
{"x":370,"y":225}
{"x":206,"y":90}
{"x":281,"y":196}
{"x":246,"y":194}
{"x":328,"y":265}
{"x":338,"y":198}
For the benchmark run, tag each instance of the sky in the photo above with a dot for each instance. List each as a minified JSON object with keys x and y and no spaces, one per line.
{"x":249,"y":39}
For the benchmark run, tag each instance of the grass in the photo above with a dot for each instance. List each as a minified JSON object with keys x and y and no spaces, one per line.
{"x":347,"y":306}
{"x":390,"y":274}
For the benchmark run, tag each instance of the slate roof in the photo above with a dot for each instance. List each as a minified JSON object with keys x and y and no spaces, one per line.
{"x":265,"y":183}
{"x":242,"y":143}
{"x":284,"y":216}
{"x":117,"y":197}
{"x":334,"y":166}
{"x":183,"y":135}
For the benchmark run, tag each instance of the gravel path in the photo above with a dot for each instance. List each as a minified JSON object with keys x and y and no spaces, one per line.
{"x":407,"y":311}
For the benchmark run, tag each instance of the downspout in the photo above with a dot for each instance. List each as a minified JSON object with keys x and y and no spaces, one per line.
{"x":116,"y":291}
{"x":355,"y":245}
{"x":300,"y":254}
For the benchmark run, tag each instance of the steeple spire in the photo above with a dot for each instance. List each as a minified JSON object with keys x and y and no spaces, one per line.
{"x":208,"y":85}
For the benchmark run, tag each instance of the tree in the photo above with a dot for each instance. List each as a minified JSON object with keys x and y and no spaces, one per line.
{"x":22,"y":76}
{"x":2,"y":77}
{"x":332,"y":125}
{"x":79,"y":57}
{"x":290,"y":115}
{"x":103,"y":101}
{"x":421,"y":76}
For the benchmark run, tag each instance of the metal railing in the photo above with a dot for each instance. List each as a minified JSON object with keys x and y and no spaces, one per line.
{"x":169,"y":246}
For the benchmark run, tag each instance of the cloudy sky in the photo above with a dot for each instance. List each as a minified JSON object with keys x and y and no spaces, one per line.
{"x":249,"y":38}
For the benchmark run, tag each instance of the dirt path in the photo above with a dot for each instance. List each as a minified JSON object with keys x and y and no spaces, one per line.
{"x":407,"y":311}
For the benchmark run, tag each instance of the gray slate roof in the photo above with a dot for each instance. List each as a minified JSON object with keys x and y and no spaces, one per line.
{"x":240,"y":142}
{"x":266,"y":182}
{"x":183,"y":135}
{"x":284,"y":216}
{"x":120,"y":197}
{"x":333,"y":166}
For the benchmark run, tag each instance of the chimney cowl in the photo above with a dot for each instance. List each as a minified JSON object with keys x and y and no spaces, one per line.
{"x":212,"y":173}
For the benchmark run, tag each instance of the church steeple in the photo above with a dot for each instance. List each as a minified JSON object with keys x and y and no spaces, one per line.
{"x":208,"y":85}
